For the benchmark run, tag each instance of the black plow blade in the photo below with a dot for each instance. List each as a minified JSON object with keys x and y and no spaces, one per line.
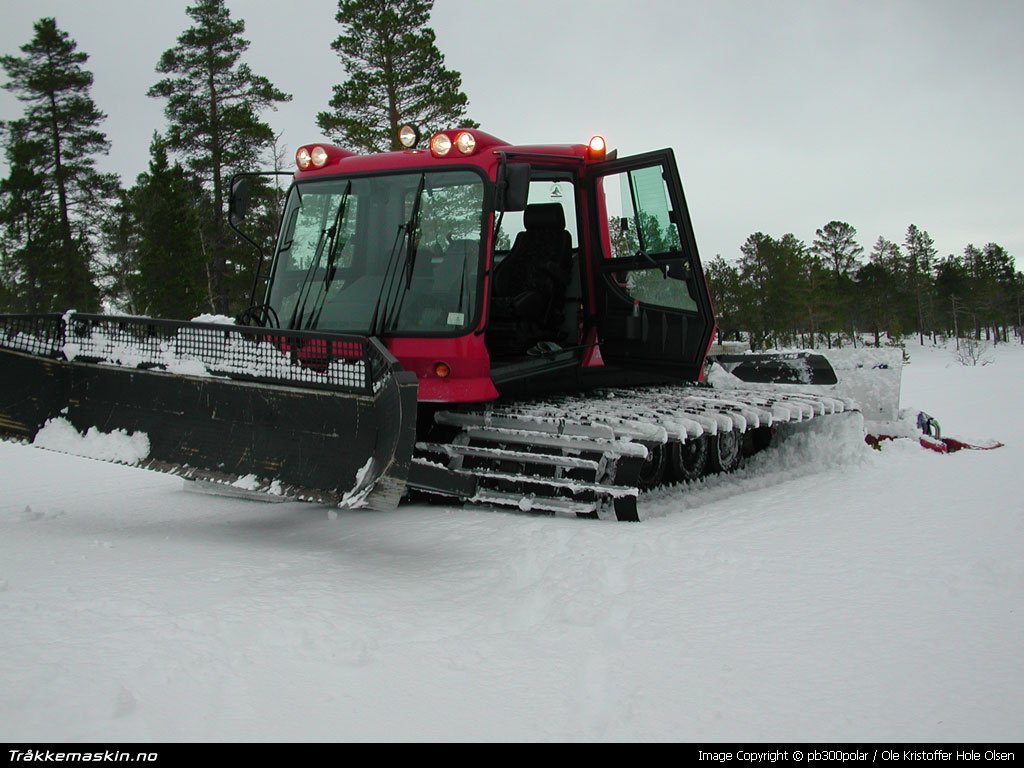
{"x":315,"y":416}
{"x":780,"y":368}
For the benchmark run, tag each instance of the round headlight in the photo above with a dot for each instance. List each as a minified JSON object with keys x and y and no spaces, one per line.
{"x":440,"y":144}
{"x":302,"y":158}
{"x":408,"y":136}
{"x":465,"y":142}
{"x":318,"y":156}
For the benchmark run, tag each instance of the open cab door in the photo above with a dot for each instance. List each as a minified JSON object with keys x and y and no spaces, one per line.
{"x":653,"y":309}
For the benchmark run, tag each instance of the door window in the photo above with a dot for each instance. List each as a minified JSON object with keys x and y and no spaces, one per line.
{"x":640,"y":219}
{"x":654,"y":286}
{"x":641,"y":229}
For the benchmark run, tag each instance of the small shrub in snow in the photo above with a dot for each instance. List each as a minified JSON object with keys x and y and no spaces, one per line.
{"x":973,"y":352}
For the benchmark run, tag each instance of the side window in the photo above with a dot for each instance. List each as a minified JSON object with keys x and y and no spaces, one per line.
{"x":562,"y":192}
{"x":641,"y":229}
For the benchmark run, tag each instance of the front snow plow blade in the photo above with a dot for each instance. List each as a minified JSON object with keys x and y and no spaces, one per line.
{"x":310,"y":415}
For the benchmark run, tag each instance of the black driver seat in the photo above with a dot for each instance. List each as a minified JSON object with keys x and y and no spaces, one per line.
{"x":529,"y":285}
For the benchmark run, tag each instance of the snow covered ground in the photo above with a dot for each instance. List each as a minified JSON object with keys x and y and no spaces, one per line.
{"x":864,"y":596}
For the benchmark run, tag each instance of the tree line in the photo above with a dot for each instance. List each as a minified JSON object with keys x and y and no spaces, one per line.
{"x":783,"y":292}
{"x":73,"y":237}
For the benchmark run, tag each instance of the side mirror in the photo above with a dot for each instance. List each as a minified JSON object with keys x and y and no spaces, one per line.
{"x":513,"y":187}
{"x":679,"y":270}
{"x":238,"y":201}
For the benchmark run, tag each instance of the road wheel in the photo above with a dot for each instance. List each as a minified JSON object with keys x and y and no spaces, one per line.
{"x":652,"y":473}
{"x":725,"y":451}
{"x":688,"y":461}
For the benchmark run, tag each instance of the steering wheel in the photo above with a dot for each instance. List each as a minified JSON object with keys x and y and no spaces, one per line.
{"x":260,"y":315}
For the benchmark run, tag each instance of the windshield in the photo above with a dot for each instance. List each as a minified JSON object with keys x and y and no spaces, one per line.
{"x":362,"y":251}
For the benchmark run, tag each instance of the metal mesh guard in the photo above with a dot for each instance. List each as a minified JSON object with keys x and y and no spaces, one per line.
{"x":351,"y":363}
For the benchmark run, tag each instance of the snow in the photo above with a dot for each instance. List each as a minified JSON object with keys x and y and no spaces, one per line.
{"x":356,"y":498}
{"x":59,"y":434}
{"x":198,"y":351}
{"x":248,"y":483}
{"x":187,"y":367}
{"x":852,"y":595}
{"x":26,"y":342}
{"x":868,"y":375}
{"x":220,"y":319}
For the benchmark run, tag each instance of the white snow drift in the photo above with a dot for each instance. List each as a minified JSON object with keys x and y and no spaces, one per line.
{"x":60,"y":435}
{"x":863,"y":595}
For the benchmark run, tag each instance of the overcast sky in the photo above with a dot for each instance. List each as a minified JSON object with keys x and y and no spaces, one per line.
{"x":783,"y":115}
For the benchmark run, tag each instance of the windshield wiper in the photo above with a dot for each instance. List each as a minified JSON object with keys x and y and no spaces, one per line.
{"x":336,"y":244}
{"x":410,"y":244}
{"x":412,"y":233}
{"x":384,"y":281}
{"x":299,"y":313}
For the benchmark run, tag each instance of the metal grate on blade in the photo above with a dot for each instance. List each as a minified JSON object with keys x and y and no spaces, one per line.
{"x":351,"y":363}
{"x":36,"y":334}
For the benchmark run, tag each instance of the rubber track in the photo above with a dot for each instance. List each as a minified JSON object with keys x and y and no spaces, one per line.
{"x":581,"y":455}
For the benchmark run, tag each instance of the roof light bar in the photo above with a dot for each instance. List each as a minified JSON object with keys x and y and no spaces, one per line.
{"x":440,"y":145}
{"x":465,"y":142}
{"x":408,"y":136}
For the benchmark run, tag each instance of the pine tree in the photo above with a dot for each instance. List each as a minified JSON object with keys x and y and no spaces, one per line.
{"x":879,"y":283}
{"x":793,"y":267}
{"x":396,"y":75}
{"x":773,"y":272}
{"x":920,"y":254}
{"x":952,"y":289}
{"x":31,"y":228}
{"x":755,"y":274}
{"x":214,"y":102}
{"x":61,"y":125}
{"x":818,"y":301}
{"x":7,"y":299}
{"x":726,"y":297}
{"x":171,"y":274}
{"x":1001,"y":268}
{"x":993,"y":289}
{"x":874,"y":284}
{"x":837,"y":244}
{"x":887,"y":255}
{"x":119,"y":270}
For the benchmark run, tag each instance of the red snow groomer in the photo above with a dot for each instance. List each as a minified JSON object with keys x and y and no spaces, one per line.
{"x":515,"y":325}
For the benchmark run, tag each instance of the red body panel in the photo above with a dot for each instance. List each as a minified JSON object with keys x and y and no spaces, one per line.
{"x":467,"y":357}
{"x":486,"y":156}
